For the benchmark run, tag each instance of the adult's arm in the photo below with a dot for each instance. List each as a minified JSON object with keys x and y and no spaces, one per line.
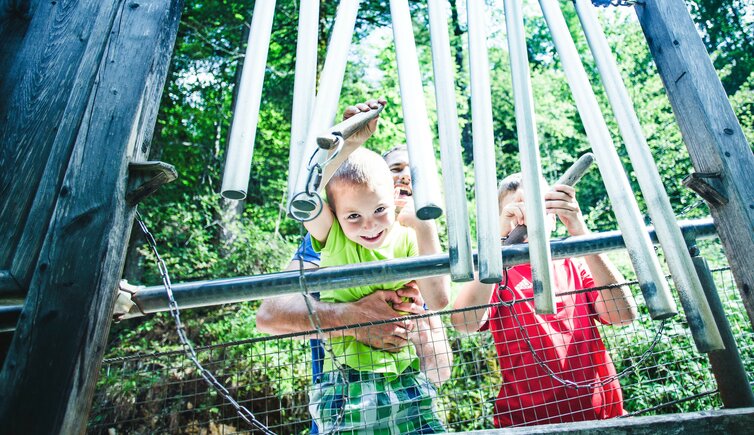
{"x":433,"y":350}
{"x":614,"y":305}
{"x":435,"y":290}
{"x":289,"y":314}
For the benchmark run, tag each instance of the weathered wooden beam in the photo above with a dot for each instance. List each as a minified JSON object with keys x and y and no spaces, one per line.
{"x":712,"y":134}
{"x":48,"y":378}
{"x":732,"y":421}
{"x":44,"y":90}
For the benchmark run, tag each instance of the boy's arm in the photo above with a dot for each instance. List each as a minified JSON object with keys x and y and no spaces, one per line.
{"x":472,"y":294}
{"x":614,"y":306}
{"x":319,"y":227}
{"x":357,"y":139}
{"x":433,"y":350}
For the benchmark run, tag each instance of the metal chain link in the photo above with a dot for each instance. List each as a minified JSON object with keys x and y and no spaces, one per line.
{"x":188,"y":349}
{"x":317,"y":325}
{"x":606,"y":3}
{"x":566,"y":382}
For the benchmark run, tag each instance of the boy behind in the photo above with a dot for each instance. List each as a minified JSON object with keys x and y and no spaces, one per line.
{"x":386,"y":389}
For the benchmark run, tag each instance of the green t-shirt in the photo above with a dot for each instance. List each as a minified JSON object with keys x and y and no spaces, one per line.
{"x":338,"y":250}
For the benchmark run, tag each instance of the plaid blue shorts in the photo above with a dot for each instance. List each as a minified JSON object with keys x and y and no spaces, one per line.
{"x":375,"y":404}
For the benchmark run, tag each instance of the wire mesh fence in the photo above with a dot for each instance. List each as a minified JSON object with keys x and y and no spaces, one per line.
{"x":272,"y":376}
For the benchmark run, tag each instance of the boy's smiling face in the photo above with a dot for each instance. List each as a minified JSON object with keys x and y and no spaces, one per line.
{"x":366,"y":213}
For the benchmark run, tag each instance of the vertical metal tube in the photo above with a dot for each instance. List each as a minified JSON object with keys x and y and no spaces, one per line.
{"x":330,"y":84}
{"x":730,"y":375}
{"x":539,"y":234}
{"x":648,"y":272}
{"x":246,"y":113}
{"x":485,"y":186}
{"x":459,"y":239}
{"x":304,"y":86}
{"x":679,"y":261}
{"x":421,"y":156}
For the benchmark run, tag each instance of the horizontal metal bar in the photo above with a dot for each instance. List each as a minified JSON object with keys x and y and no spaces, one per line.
{"x":230,"y":290}
{"x":222,"y":291}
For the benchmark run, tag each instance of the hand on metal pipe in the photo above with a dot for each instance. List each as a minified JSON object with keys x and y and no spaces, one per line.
{"x":361,"y":136}
{"x":561,"y":201}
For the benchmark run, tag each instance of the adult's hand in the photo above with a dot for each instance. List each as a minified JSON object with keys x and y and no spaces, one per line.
{"x":368,"y":130}
{"x":383,"y":305}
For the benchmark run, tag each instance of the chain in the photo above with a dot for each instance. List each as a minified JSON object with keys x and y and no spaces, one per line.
{"x":606,"y":3}
{"x":317,"y":325}
{"x":566,"y":382}
{"x":188,"y":349}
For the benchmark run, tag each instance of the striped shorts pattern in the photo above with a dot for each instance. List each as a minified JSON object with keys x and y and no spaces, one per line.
{"x":375,"y":404}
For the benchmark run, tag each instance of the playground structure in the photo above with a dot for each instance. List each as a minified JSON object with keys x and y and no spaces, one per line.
{"x":65,"y":237}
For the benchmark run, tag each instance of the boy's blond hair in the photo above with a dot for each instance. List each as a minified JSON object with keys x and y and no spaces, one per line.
{"x":362,"y":168}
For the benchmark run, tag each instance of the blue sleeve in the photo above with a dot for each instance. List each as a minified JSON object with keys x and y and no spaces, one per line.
{"x":306,"y":252}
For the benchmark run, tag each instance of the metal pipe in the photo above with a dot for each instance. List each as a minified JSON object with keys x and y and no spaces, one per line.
{"x":222,"y":291}
{"x":304,"y":86}
{"x":651,"y":279}
{"x":421,"y":155}
{"x":677,"y":256}
{"x":341,"y":131}
{"x":328,"y":94}
{"x":730,"y":375}
{"x":531,"y":166}
{"x":485,"y":186}
{"x":456,"y":204}
{"x":243,"y":128}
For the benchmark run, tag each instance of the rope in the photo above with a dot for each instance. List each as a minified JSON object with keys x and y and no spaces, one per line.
{"x":245,"y":414}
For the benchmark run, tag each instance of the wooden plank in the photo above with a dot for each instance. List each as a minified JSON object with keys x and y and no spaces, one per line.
{"x":47,"y":89}
{"x":9,"y":287}
{"x":67,"y":312}
{"x":733,"y":421}
{"x":712,"y":134}
{"x":15,"y":16}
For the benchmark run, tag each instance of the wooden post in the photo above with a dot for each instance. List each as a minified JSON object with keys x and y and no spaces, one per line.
{"x":712,"y":134}
{"x":80,"y":103}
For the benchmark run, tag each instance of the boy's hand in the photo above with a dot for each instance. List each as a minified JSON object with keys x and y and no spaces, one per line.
{"x":561,"y":201}
{"x":513,"y":214}
{"x":365,"y":133}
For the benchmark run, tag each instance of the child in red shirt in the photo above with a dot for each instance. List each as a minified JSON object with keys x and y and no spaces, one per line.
{"x":568,"y":343}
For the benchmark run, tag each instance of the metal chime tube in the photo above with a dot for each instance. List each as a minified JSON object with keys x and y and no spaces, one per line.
{"x":304,"y":86}
{"x":246,"y":113}
{"x":421,"y":156}
{"x":459,"y":239}
{"x":539,"y":234}
{"x":647,"y":267}
{"x":485,"y":186}
{"x":330,"y":84}
{"x":700,"y":318}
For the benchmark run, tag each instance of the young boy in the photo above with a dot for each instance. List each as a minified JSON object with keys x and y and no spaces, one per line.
{"x":568,"y":341}
{"x":386,"y":389}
